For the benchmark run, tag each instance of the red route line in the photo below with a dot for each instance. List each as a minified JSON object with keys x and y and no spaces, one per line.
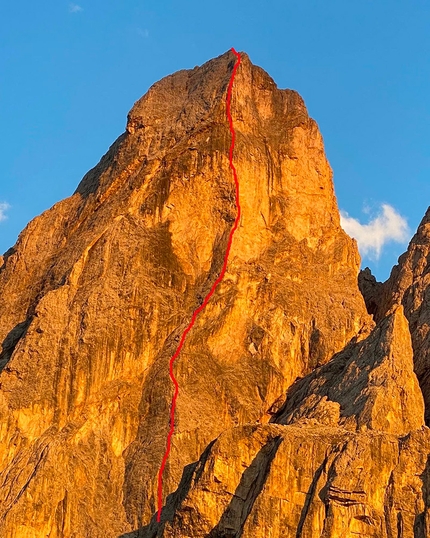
{"x":206,"y":299}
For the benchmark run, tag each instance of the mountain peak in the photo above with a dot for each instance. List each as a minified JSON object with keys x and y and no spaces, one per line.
{"x":99,"y":289}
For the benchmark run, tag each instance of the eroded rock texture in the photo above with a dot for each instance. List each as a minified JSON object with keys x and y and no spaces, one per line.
{"x":351,"y":458}
{"x":354,"y":388}
{"x":409,"y":285}
{"x":371,"y":290}
{"x":98,"y":289}
{"x":308,"y":481}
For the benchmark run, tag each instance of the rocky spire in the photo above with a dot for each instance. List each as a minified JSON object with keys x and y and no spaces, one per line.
{"x":98,"y":288}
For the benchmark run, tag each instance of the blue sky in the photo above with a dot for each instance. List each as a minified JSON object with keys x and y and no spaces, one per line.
{"x":70,"y":72}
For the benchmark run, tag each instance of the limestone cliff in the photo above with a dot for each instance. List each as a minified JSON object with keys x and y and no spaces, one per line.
{"x":351,"y":458}
{"x":307,"y":481}
{"x":353,"y":389}
{"x":99,"y":288}
{"x":409,"y":285}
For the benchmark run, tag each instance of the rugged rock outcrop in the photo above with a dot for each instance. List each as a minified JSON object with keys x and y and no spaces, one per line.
{"x":409,"y":285}
{"x":371,"y":290}
{"x":97,"y":290}
{"x":352,"y":458}
{"x":304,"y":481}
{"x":353,"y":389}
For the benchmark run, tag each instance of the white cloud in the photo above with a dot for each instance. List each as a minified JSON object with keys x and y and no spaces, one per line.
{"x":387,"y":226}
{"x":3,"y":208}
{"x":74,"y":8}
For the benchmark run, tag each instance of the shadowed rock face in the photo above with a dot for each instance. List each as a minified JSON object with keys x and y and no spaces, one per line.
{"x":99,"y":288}
{"x":353,"y":389}
{"x":371,"y":290}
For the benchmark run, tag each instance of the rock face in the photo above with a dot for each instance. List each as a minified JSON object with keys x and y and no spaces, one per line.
{"x":371,"y":290}
{"x":353,"y":388}
{"x":308,"y":481}
{"x":99,"y":288}
{"x":351,"y":458}
{"x":409,"y":285}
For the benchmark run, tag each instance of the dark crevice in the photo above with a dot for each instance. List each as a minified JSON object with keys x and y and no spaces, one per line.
{"x":422,"y":520}
{"x":309,"y":497}
{"x":173,"y":500}
{"x":233,"y":520}
{"x":371,"y":290}
{"x":388,"y":505}
{"x":11,"y":341}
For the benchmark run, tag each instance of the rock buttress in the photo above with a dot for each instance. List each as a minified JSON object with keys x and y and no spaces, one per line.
{"x":97,"y":290}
